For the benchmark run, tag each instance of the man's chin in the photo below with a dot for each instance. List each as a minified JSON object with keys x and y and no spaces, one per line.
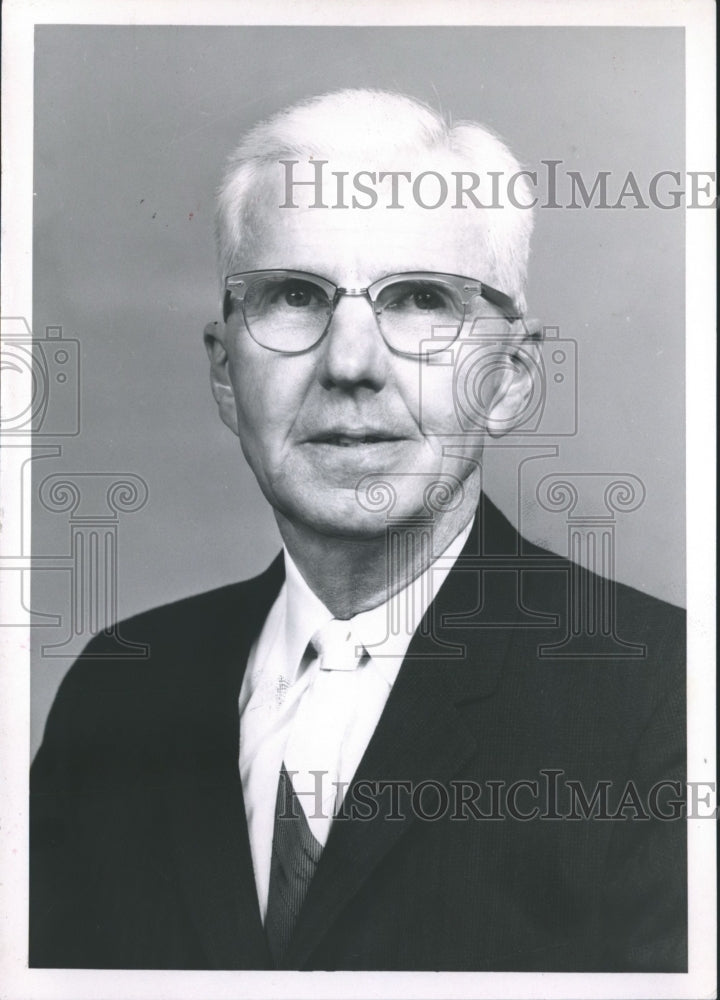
{"x":375,"y":505}
{"x":348,"y":520}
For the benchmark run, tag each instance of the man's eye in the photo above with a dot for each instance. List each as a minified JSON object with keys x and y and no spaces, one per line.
{"x":427,"y":298}
{"x":410,"y":297}
{"x":298,"y":295}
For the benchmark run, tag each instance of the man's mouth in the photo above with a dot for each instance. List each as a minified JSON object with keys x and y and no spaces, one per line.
{"x":351,"y":439}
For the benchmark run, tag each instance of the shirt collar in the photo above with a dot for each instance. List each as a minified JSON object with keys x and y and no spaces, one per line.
{"x":384,"y":631}
{"x":305,"y":613}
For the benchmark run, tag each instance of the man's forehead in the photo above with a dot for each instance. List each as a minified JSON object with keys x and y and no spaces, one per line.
{"x":282,"y":231}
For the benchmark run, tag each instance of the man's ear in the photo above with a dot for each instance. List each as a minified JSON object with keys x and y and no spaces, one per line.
{"x":214,"y":337}
{"x":520,"y":387}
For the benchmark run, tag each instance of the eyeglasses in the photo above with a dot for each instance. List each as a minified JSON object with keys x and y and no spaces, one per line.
{"x":290,"y":311}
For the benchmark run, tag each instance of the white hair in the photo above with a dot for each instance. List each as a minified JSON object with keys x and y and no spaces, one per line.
{"x":362,"y":122}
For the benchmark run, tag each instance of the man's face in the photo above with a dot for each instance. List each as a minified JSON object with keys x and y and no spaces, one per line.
{"x":314,"y":425}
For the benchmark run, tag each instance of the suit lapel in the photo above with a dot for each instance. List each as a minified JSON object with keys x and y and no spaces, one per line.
{"x":212,"y":854}
{"x":204,"y":801}
{"x":421,"y":735}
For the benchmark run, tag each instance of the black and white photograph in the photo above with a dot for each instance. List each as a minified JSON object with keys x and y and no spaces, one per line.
{"x":358,"y":500}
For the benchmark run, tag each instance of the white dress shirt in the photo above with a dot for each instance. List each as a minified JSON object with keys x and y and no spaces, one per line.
{"x":281,"y":668}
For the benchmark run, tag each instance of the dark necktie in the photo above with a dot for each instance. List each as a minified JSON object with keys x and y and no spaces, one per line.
{"x":295,"y":855}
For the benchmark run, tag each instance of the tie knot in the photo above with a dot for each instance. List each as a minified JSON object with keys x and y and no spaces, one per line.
{"x":336,"y":646}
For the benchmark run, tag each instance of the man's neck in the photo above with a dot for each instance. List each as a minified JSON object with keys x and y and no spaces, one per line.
{"x":352,"y":575}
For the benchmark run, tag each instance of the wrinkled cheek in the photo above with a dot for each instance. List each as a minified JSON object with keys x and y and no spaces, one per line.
{"x":263,"y":433}
{"x":251,"y":395}
{"x":436,"y":405}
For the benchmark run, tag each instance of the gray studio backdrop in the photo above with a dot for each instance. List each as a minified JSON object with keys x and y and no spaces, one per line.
{"x":132,"y":126}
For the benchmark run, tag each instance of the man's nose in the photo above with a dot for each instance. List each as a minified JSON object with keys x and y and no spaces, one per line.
{"x":353,"y":350}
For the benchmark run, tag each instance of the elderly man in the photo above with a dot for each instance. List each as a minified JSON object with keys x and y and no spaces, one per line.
{"x":344,"y":764}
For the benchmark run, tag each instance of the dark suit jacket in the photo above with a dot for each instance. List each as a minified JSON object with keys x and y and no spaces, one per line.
{"x":140,"y":853}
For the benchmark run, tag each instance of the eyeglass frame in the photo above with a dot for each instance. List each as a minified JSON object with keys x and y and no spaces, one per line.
{"x":334,"y":292}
